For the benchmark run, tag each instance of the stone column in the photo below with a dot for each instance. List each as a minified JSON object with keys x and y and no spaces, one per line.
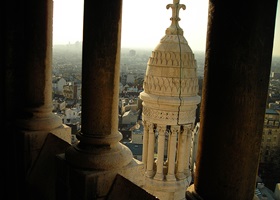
{"x":151,"y":149}
{"x":182,"y":156}
{"x":172,"y":153}
{"x":236,"y":78}
{"x":33,"y":115}
{"x":29,"y":59}
{"x":34,"y":78}
{"x":160,"y":153}
{"x":188,"y":149}
{"x":145,"y":142}
{"x":99,"y":146}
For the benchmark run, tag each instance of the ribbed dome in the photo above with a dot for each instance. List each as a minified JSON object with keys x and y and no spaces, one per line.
{"x":171,"y":69}
{"x":171,"y":83}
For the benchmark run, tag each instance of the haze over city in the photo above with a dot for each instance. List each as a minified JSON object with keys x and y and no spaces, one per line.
{"x":123,"y":107}
{"x":143,"y":23}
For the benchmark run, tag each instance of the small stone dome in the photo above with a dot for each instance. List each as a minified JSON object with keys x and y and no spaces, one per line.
{"x":171,"y":83}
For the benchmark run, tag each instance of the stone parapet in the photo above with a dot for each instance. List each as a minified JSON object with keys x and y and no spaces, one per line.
{"x":168,"y":190}
{"x":74,"y":183}
{"x":34,"y":140}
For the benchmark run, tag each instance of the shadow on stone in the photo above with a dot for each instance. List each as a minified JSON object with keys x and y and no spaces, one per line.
{"x":124,"y":189}
{"x":42,"y":176}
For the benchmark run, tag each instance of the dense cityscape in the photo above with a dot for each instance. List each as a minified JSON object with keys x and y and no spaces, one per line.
{"x":67,"y":83}
{"x":95,"y":108}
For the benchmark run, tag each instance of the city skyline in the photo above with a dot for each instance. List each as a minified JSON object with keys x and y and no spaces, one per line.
{"x":143,"y":23}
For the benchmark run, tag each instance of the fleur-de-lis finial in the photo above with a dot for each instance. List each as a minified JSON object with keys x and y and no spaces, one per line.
{"x":174,"y":28}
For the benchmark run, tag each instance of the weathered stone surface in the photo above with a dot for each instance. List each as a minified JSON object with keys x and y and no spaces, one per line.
{"x":41,"y":179}
{"x":124,"y":189}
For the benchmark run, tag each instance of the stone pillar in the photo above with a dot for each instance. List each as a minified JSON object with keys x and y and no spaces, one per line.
{"x":160,"y":157}
{"x":172,"y":153}
{"x":188,"y":168}
{"x":94,"y":162}
{"x":151,"y":150}
{"x":145,"y":142}
{"x":33,"y":115}
{"x":182,"y":156}
{"x":236,"y":77}
{"x":99,"y":147}
{"x":35,"y":75}
{"x":30,"y":62}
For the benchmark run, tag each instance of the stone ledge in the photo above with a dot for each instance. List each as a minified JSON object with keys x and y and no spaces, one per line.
{"x":77,"y":183}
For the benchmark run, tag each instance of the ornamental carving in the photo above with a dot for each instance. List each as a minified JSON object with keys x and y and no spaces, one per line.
{"x":169,"y":116}
{"x":160,"y":58}
{"x":171,"y":86}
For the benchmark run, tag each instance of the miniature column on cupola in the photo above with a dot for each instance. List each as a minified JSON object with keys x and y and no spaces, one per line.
{"x":170,"y":99}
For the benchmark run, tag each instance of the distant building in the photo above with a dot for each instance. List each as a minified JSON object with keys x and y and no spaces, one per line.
{"x":132,"y":52}
{"x":58,"y":105}
{"x":271,"y":135}
{"x":70,"y":91}
{"x":275,"y":75}
{"x":72,"y":115}
{"x":130,"y":117}
{"x":130,"y":78}
{"x":120,"y":87}
{"x":137,"y":132}
{"x":58,"y":84}
{"x":136,"y":149}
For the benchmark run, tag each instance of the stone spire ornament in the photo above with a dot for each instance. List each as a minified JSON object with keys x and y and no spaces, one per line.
{"x":174,"y":28}
{"x":170,"y":99}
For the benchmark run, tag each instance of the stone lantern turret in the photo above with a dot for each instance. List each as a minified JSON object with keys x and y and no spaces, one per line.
{"x":170,"y":99}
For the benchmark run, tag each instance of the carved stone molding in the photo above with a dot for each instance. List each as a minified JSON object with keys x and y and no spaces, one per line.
{"x":169,"y":117}
{"x":165,"y":86}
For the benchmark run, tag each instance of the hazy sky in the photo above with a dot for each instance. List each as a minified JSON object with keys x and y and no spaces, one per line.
{"x":144,"y":23}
